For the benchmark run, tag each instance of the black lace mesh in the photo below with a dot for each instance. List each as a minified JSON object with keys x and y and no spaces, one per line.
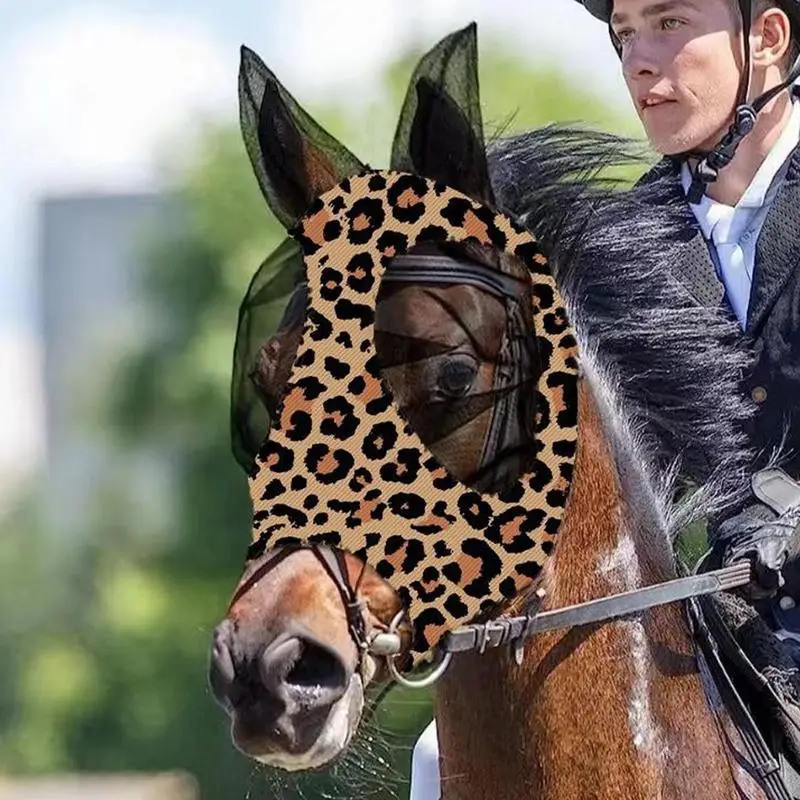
{"x":440,"y":131}
{"x":259,"y":315}
{"x":293,"y":157}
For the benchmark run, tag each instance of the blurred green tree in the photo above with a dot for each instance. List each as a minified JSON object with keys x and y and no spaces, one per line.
{"x":103,"y":667}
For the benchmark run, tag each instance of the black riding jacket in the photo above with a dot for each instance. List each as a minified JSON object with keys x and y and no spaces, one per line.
{"x":773,"y":319}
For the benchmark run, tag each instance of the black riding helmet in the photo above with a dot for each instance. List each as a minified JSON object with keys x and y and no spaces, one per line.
{"x":745,"y":115}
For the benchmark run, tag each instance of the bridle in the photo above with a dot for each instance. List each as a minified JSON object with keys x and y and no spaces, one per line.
{"x":333,"y":561}
{"x":503,"y":630}
{"x":515,"y":360}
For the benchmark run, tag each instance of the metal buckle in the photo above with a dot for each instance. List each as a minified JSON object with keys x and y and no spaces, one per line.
{"x":518,"y":645}
{"x":421,"y":683}
{"x":766,"y":768}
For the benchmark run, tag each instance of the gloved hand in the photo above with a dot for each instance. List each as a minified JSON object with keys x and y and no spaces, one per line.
{"x":758,"y":534}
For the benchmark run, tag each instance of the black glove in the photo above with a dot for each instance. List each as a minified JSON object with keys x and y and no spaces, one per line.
{"x":758,"y":534}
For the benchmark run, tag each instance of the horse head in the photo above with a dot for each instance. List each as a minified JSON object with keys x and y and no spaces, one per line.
{"x":456,"y":346}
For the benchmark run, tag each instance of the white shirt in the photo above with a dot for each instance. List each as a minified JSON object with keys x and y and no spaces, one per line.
{"x":733,"y":230}
{"x":425,"y":783}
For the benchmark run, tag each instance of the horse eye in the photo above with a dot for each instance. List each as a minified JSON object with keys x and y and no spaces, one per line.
{"x":456,"y":376}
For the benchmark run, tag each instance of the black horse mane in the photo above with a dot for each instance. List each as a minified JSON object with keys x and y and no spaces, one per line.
{"x":678,"y":366}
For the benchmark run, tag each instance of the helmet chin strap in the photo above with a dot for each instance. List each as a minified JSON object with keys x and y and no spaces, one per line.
{"x":744,"y":119}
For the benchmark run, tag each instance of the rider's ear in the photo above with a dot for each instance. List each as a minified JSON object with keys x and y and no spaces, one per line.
{"x":772,"y":40}
{"x":440,"y":132}
{"x":294,"y":158}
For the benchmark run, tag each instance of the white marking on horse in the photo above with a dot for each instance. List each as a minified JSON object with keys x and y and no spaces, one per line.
{"x":621,"y":567}
{"x":647,"y":503}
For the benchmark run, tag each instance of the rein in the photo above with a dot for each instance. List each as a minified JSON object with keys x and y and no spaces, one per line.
{"x":514,"y":631}
{"x":503,"y":630}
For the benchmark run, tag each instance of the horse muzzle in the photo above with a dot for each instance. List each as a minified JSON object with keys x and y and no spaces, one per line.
{"x":283,"y":696}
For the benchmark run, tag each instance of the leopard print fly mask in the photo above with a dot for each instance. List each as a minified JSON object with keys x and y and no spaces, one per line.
{"x":340,"y":466}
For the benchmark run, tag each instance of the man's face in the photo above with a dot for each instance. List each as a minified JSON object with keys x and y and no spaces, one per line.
{"x":681,"y":60}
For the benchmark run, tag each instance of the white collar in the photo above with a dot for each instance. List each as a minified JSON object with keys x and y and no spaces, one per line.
{"x":709,"y":211}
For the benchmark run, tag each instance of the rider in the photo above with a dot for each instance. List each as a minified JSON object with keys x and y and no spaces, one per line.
{"x":722,"y":110}
{"x":720,"y":107}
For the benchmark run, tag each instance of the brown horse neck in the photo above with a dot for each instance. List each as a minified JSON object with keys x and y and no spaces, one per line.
{"x":614,"y":711}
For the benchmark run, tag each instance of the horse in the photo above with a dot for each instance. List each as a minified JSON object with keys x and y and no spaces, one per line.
{"x":621,"y":709}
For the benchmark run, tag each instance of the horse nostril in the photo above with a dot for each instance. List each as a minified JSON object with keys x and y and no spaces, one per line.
{"x":305,"y":671}
{"x":317,"y":666}
{"x":222,"y":673}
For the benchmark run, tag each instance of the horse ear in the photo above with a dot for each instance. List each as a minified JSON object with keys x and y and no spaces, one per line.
{"x":294,"y":158}
{"x":440,"y":131}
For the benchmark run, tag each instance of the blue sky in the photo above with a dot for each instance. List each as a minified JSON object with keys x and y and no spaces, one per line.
{"x":91,"y":88}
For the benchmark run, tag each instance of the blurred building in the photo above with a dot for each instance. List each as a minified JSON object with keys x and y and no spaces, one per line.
{"x":167,"y":786}
{"x":92,"y":312}
{"x":21,"y":413}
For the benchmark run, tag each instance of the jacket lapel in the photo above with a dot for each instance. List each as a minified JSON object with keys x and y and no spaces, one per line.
{"x":778,"y":247}
{"x":691,"y":265}
{"x":695,"y":270}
